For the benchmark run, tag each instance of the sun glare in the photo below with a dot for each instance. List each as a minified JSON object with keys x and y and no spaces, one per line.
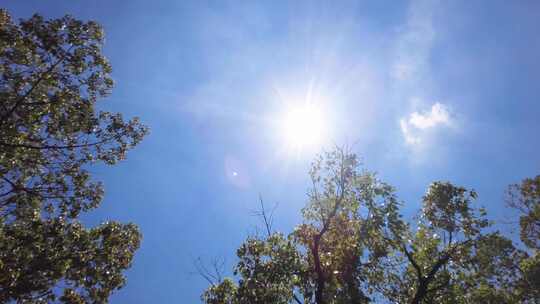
{"x":303,"y":127}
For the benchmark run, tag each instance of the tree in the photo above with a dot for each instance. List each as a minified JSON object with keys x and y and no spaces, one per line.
{"x":451,"y":258}
{"x":348,"y":219}
{"x":52,"y":74}
{"x":333,"y":255}
{"x":353,"y":246}
{"x":525,"y":198}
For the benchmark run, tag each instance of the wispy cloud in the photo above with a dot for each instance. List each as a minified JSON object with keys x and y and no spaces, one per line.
{"x":415,"y":127}
{"x":415,"y":42}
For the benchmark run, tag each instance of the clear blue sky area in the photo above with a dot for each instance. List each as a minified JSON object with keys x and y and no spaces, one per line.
{"x":421,"y":90}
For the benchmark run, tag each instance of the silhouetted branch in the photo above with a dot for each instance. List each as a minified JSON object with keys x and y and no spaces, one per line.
{"x":212,"y":273}
{"x":267,"y":218}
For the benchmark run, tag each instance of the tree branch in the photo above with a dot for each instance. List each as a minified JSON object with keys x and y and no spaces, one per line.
{"x":413,"y":262}
{"x":268,"y":219}
{"x":54,"y":147}
{"x":319,"y":298}
{"x":32,"y":88}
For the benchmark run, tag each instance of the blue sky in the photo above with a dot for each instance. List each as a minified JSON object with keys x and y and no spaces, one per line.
{"x":421,"y":90}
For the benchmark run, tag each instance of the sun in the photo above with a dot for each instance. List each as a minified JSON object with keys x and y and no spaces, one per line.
{"x":303,"y":126}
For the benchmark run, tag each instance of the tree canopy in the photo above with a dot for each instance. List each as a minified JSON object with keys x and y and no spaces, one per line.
{"x":52,"y":73}
{"x":353,"y":246}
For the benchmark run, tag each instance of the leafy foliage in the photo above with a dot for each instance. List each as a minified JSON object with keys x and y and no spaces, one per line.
{"x":354,"y":247}
{"x":52,"y":73}
{"x":525,"y":198}
{"x":447,"y":230}
{"x":36,"y":255}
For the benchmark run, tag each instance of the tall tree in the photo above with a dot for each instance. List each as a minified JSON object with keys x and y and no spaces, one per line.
{"x":451,"y":257}
{"x":52,"y":73}
{"x":354,"y":247}
{"x":333,"y":255}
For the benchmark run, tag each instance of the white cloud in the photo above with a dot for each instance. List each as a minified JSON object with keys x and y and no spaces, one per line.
{"x":415,"y":127}
{"x":438,"y":115}
{"x":409,"y":138}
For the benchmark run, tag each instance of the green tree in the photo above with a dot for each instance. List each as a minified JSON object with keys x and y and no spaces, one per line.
{"x":333,"y":255}
{"x":446,"y":231}
{"x":354,"y":247}
{"x":348,"y":219}
{"x":452,"y":258}
{"x":525,"y":198}
{"x":52,"y":74}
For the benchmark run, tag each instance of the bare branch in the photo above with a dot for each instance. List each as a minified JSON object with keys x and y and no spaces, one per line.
{"x":213,"y":273}
{"x":267,"y":218}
